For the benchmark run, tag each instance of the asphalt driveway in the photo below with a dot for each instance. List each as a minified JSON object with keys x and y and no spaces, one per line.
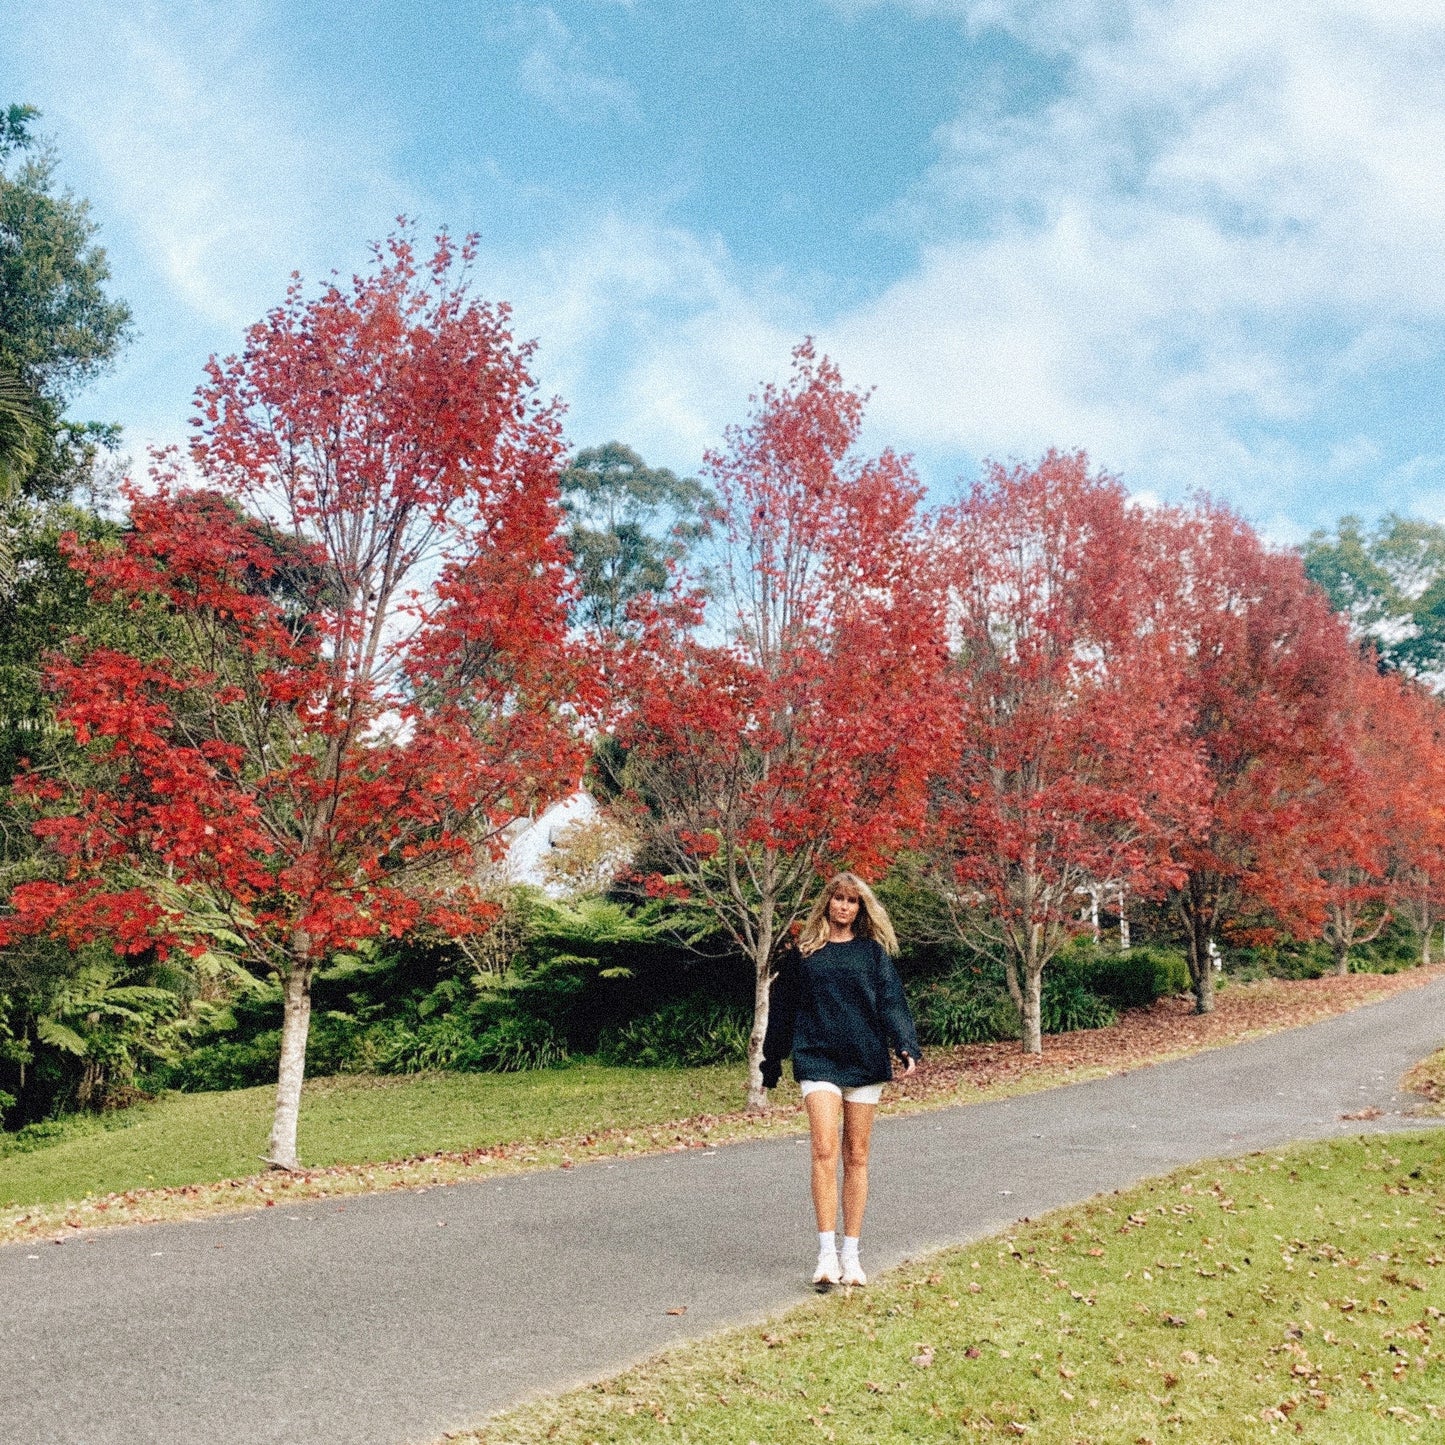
{"x":393,"y":1317}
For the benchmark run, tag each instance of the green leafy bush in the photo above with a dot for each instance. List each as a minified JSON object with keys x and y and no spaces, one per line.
{"x":435,"y":1043}
{"x":684,"y":1034}
{"x":1137,"y":978}
{"x":1069,"y":1004}
{"x":222,"y":1065}
{"x":516,"y":1044}
{"x":959,"y":1009}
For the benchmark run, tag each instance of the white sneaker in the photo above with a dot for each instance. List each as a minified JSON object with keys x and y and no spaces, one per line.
{"x":853,"y":1273}
{"x":827,"y":1272}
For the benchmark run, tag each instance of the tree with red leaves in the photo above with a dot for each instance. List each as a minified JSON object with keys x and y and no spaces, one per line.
{"x":792,"y":733}
{"x":1069,"y":762}
{"x":354,"y":668}
{"x":1402,"y":770}
{"x":1266,"y":668}
{"x":1353,"y":821}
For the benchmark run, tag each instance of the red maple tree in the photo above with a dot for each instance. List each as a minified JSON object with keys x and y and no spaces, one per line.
{"x":1354,"y":815}
{"x":1070,"y":764}
{"x":1265,"y":670}
{"x":352,"y":668}
{"x":789,"y":729}
{"x":1402,"y":785}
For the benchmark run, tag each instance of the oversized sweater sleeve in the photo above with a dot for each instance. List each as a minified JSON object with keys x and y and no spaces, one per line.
{"x":782,"y":1015}
{"x":893,"y":1007}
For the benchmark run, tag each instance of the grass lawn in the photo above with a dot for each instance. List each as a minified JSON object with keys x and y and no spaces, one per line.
{"x":186,"y":1139}
{"x":1293,"y":1293}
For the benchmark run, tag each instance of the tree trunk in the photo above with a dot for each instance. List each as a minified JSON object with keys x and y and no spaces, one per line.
{"x":295,"y":1025}
{"x":1031,"y":1014}
{"x":762,"y":993}
{"x":1425,"y":936}
{"x":762,"y":988}
{"x":1201,"y":963}
{"x":1341,"y":954}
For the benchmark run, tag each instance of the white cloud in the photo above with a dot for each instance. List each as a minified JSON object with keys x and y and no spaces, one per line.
{"x":557,"y":71}
{"x":651,"y":333}
{"x":223,"y":176}
{"x":1224,"y":213}
{"x":1224,"y":217}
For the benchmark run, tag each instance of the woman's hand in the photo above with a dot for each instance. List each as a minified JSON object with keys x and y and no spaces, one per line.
{"x":911,"y":1062}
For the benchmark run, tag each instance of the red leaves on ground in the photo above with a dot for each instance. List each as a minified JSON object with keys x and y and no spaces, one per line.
{"x":1168,"y":1027}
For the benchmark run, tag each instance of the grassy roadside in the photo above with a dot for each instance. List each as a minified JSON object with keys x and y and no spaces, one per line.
{"x":1298,"y":1292}
{"x":191,"y":1154}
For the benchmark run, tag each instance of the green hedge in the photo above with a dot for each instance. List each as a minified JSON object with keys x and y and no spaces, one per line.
{"x":684,"y":1034}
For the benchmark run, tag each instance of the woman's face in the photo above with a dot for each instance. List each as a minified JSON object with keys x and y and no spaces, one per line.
{"x":843,"y":908}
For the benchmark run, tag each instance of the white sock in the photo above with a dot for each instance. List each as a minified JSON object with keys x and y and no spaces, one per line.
{"x":827,"y":1242}
{"x":850,"y":1247}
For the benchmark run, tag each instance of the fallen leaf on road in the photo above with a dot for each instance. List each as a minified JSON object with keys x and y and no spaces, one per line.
{"x":680,"y":1310}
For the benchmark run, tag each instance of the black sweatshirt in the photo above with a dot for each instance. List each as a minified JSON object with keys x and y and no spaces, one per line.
{"x":837,"y":1012}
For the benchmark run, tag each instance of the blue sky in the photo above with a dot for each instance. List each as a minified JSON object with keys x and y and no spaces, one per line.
{"x":1203,"y":239}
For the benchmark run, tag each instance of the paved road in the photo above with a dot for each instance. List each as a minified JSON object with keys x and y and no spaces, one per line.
{"x":394,"y":1317}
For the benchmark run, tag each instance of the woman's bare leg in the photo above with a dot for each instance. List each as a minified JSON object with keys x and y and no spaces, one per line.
{"x":823,"y":1108}
{"x":857,"y":1136}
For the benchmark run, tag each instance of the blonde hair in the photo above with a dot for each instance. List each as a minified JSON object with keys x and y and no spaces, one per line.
{"x":872,"y":920}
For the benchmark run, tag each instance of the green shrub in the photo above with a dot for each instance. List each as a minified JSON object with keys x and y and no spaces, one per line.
{"x":958,"y":1009}
{"x":436,"y":1043}
{"x":223,"y":1065}
{"x":516,"y":1044}
{"x":684,"y":1034}
{"x":1137,"y":978}
{"x":1068,"y":1004}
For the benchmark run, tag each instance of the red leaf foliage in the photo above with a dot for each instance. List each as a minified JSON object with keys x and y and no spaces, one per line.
{"x":352,"y":664}
{"x":795,"y":730}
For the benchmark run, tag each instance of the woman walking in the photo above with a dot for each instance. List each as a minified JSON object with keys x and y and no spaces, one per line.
{"x":837,"y":1007}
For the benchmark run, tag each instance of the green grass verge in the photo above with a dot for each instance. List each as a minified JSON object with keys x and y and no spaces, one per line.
{"x":186,"y":1139}
{"x":1294,"y":1293}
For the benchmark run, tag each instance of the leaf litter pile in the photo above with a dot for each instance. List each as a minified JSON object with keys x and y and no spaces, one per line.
{"x":968,"y":1073}
{"x":1291,"y":1294}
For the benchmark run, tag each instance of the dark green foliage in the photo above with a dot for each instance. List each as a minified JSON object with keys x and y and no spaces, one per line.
{"x":960,"y":1009}
{"x":223,"y":1065}
{"x":1068,"y":1004}
{"x":78,"y":1028}
{"x":1390,"y":584}
{"x":684,"y":1034}
{"x":58,"y":328}
{"x":459,"y":1042}
{"x":57,"y":325}
{"x":577,"y":975}
{"x":517,"y":1043}
{"x":1134,"y":979}
{"x":627,"y":523}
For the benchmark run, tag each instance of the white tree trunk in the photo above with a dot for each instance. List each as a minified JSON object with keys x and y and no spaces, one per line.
{"x":762,"y":984}
{"x":295,"y":1026}
{"x":1031,"y":1014}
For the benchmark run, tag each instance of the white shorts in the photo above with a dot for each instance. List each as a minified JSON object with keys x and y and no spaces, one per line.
{"x":862,"y":1094}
